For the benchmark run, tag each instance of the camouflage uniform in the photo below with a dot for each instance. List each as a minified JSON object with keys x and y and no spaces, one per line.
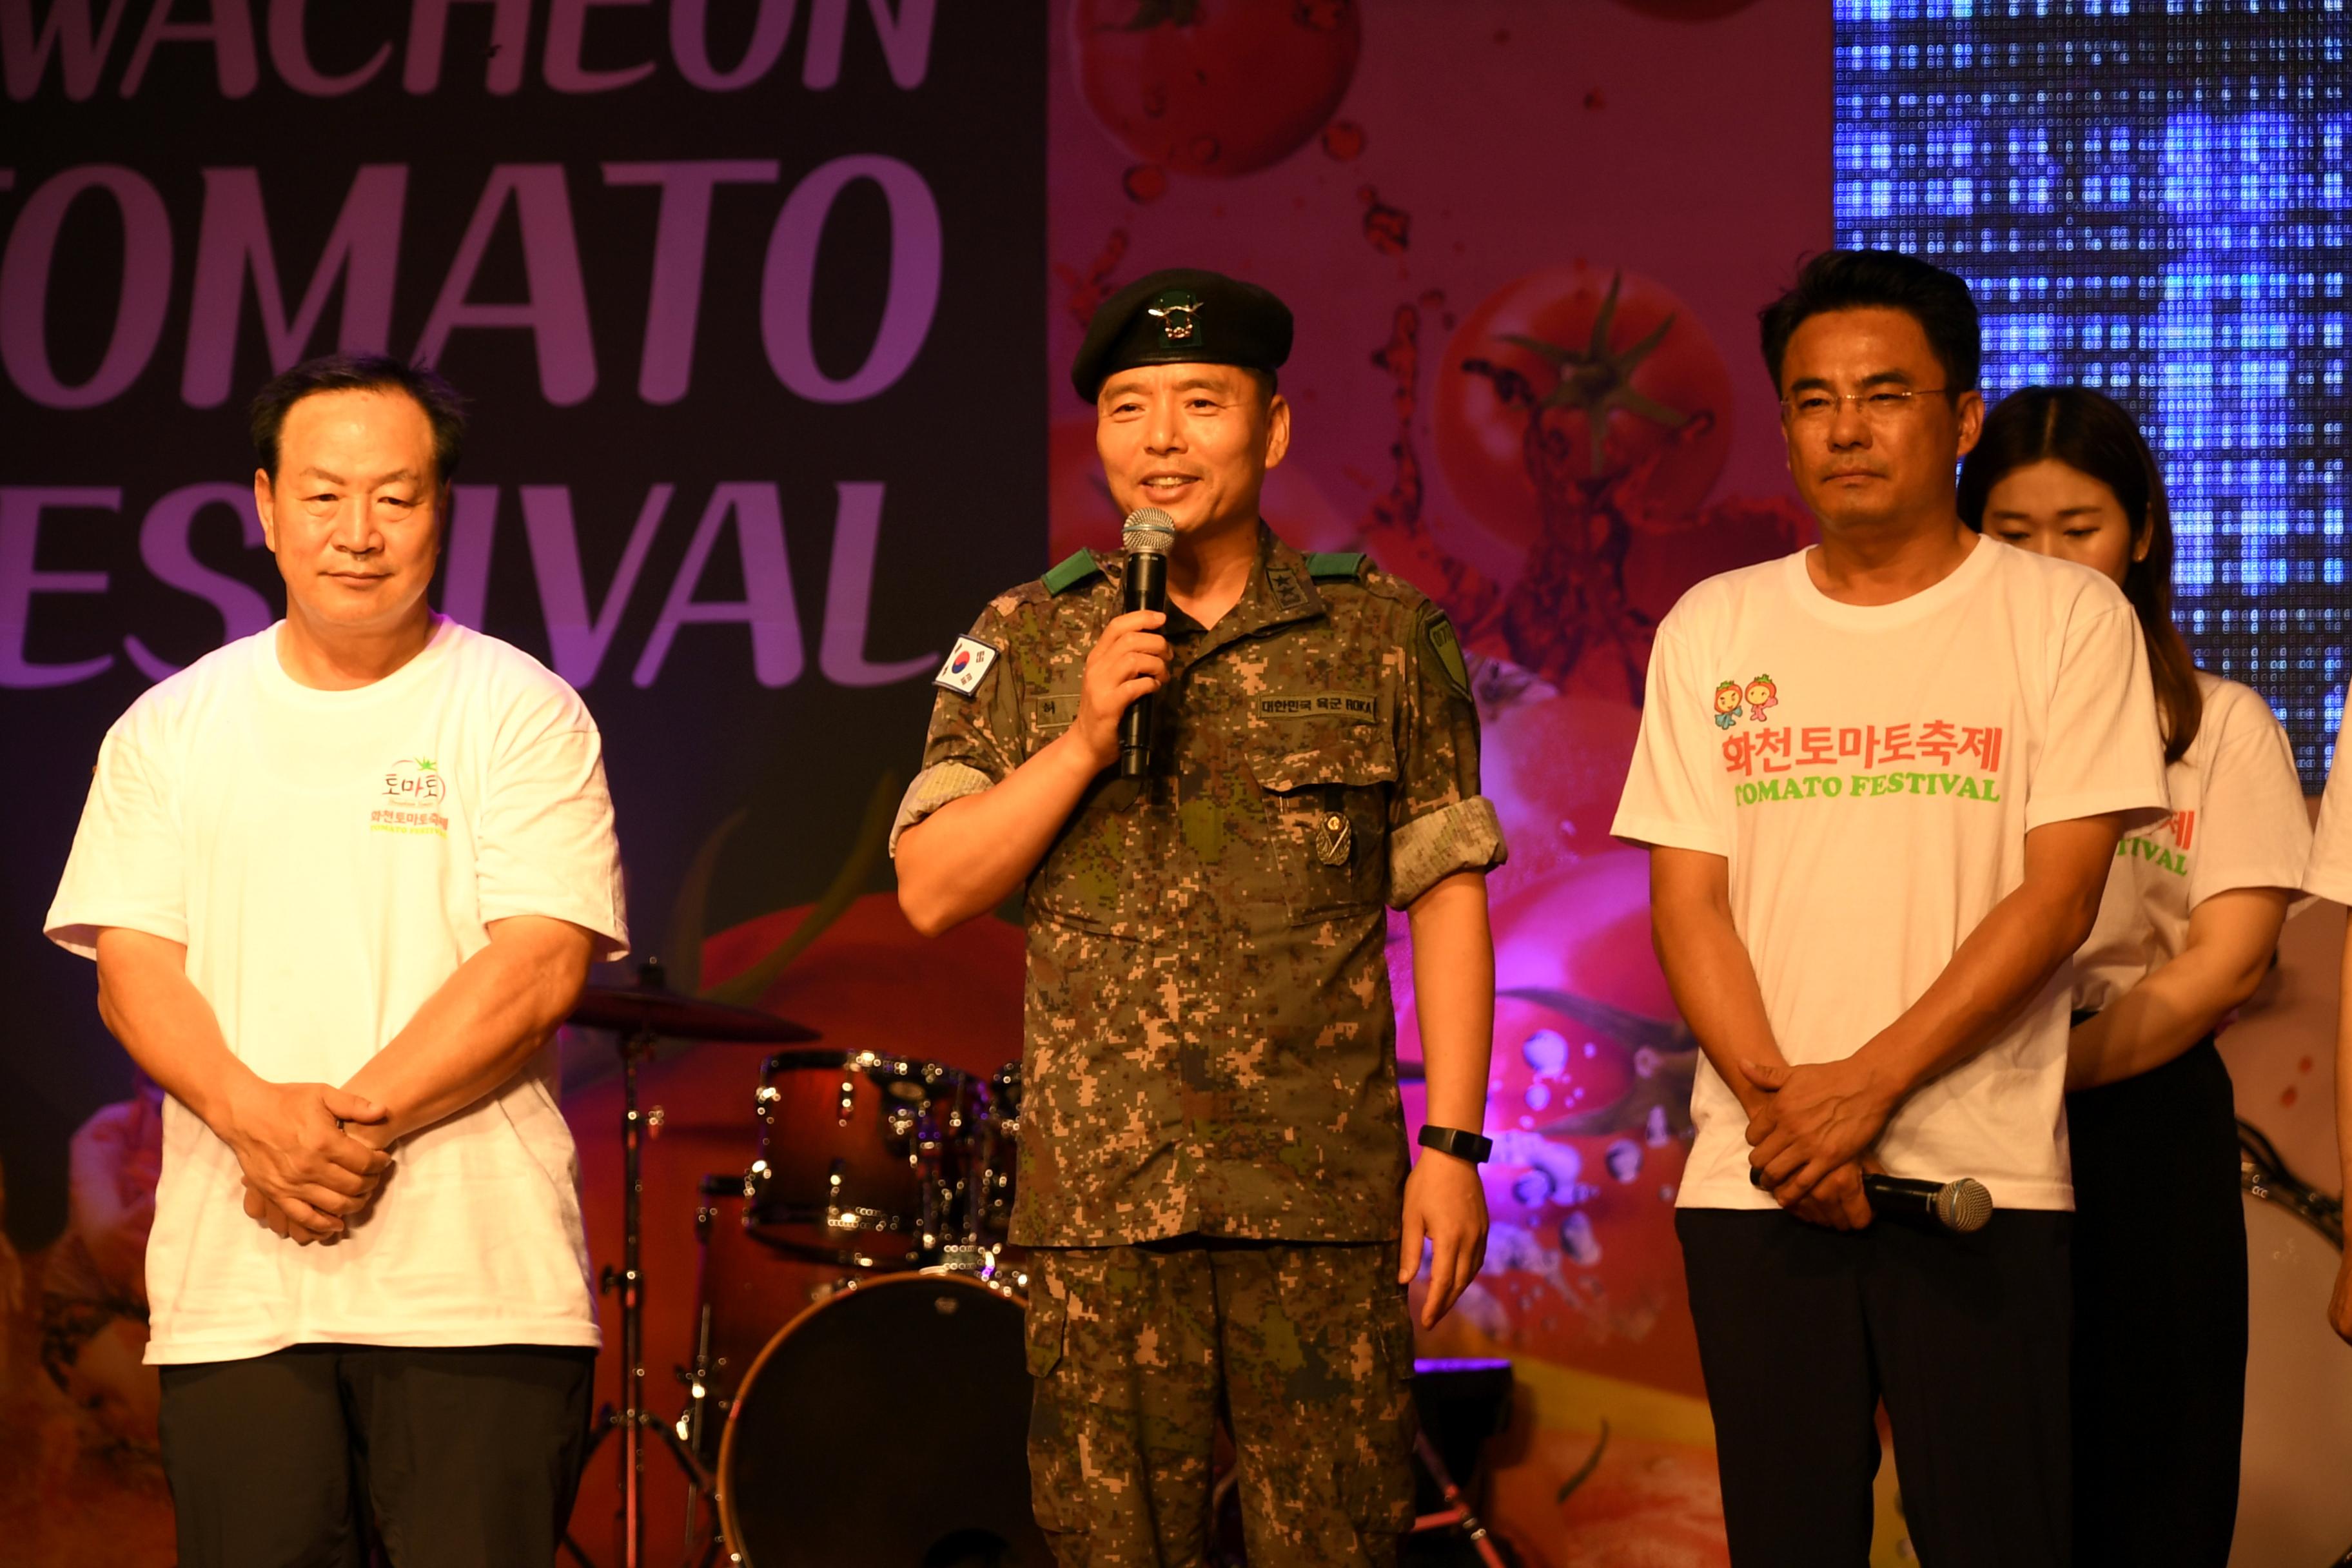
{"x":1209,"y":1064}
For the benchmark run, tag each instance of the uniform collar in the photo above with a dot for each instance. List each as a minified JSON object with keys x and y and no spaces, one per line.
{"x":1280,"y":590}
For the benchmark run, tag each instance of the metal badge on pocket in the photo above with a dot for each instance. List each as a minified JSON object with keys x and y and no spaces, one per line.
{"x":1334,"y":836}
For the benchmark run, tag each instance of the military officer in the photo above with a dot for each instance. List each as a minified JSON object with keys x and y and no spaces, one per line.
{"x":1213,"y":1171}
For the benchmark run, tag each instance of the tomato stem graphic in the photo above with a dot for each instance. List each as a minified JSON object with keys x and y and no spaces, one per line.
{"x":1151,"y":14}
{"x":1597,"y":380}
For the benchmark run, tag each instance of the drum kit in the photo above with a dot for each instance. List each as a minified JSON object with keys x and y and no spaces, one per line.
{"x":880,"y":1418}
{"x":887,"y":1421}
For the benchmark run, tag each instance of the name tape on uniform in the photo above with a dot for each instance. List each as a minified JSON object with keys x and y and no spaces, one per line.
{"x":1054,"y":711}
{"x":1359,"y":705}
{"x":968,"y":661}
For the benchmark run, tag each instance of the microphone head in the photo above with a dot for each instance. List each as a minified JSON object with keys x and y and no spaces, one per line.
{"x":1150,"y":532}
{"x":1963,"y":1206}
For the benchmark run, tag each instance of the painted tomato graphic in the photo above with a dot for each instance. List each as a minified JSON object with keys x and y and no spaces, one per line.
{"x":1217,"y":87}
{"x":1660,"y":565}
{"x":1554,"y":769}
{"x":1570,"y":383}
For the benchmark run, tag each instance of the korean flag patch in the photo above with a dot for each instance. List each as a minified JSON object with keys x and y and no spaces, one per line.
{"x":968,"y":661}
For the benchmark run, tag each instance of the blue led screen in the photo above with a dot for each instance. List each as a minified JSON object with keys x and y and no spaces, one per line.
{"x":2149,"y":199}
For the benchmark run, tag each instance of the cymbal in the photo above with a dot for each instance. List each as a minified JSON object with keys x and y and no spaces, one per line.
{"x":657,"y":1010}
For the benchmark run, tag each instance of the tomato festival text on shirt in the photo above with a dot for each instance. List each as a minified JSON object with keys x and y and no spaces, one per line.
{"x":1770,"y":751}
{"x":2144,"y":846}
{"x":425,"y":822}
{"x":1829,"y":786}
{"x":1750,"y":751}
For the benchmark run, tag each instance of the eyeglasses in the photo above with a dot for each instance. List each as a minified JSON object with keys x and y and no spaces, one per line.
{"x":1877,"y":407}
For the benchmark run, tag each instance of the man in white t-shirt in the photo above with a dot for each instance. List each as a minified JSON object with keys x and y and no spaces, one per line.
{"x":1864,"y":889}
{"x":342,"y":880}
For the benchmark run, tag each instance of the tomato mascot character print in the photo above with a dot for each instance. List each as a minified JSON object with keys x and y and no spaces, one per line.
{"x":1761,"y":694}
{"x":1727,"y":704}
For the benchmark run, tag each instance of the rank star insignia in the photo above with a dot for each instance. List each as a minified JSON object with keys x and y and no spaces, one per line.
{"x":1174,"y":310}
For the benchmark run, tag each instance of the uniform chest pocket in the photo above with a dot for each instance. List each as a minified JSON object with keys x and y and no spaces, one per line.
{"x":1326,"y":818}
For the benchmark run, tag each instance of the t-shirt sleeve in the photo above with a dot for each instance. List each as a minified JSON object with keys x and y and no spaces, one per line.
{"x":2253,"y":829}
{"x":1439,"y":821}
{"x":973,"y":741}
{"x":126,"y":867}
{"x":1672,"y":797}
{"x":2328,"y":872}
{"x":546,"y":843}
{"x":2100,"y":748}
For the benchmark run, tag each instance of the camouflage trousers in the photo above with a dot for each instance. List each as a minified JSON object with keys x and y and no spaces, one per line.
{"x":1136,"y":1351}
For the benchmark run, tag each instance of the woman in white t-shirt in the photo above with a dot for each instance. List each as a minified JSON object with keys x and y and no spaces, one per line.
{"x":2185,"y":930}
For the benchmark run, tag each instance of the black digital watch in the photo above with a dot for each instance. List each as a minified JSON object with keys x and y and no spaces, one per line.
{"x":1474,"y":1147}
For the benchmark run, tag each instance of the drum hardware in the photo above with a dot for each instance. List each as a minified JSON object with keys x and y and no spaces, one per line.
{"x":2263,"y":1174}
{"x":913,"y":1187}
{"x":877,"y":1162}
{"x":1456,"y":1515}
{"x":2292,"y":1505}
{"x":640,"y":1016}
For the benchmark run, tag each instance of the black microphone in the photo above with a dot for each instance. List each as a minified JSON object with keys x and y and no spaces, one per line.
{"x":1149,"y":534}
{"x":1962,"y":1206}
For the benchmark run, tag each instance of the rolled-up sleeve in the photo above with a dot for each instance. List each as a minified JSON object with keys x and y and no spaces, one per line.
{"x":1439,"y":822}
{"x":971,"y":745}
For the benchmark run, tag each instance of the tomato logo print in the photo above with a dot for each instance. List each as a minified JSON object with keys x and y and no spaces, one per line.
{"x":1214,"y":90}
{"x":1728,"y":698}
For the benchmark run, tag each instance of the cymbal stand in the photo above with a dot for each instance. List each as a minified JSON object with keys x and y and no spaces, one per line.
{"x":633,"y":1419}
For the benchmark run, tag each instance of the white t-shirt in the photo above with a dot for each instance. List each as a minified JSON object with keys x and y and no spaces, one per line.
{"x":2237,"y":821}
{"x":2328,"y":873}
{"x":1871,"y":773}
{"x":329,"y":858}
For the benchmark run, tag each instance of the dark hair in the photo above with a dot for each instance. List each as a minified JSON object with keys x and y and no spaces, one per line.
{"x":443,"y":408}
{"x":1861,"y":279}
{"x":2095,"y":436}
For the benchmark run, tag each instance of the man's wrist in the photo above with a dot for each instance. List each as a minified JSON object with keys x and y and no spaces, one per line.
{"x":1457,"y":1142}
{"x":228,"y":1099}
{"x":1083,"y":761}
{"x":1886,"y":1078}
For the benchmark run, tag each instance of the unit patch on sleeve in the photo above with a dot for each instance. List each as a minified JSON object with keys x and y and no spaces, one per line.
{"x":968,"y":661}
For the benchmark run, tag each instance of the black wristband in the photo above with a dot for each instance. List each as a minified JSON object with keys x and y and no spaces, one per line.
{"x":1470,"y":1146}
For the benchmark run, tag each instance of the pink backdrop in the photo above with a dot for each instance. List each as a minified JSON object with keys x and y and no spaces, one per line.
{"x":1421,"y":186}
{"x":1424,"y":183}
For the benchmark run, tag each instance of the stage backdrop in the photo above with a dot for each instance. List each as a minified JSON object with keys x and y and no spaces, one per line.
{"x":765,"y":309}
{"x":746,"y":299}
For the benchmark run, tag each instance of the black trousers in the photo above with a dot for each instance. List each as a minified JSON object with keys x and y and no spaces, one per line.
{"x":452,"y":1458}
{"x":1803,"y":1331}
{"x":2160,"y":1315}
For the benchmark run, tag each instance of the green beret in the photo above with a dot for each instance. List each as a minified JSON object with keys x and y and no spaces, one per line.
{"x":1182,"y":315}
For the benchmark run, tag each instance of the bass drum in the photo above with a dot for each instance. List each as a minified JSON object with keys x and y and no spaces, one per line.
{"x":886,"y":1427}
{"x":2294,"y":1491}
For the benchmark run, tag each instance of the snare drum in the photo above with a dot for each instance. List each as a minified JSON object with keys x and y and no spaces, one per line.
{"x":853,"y":1148}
